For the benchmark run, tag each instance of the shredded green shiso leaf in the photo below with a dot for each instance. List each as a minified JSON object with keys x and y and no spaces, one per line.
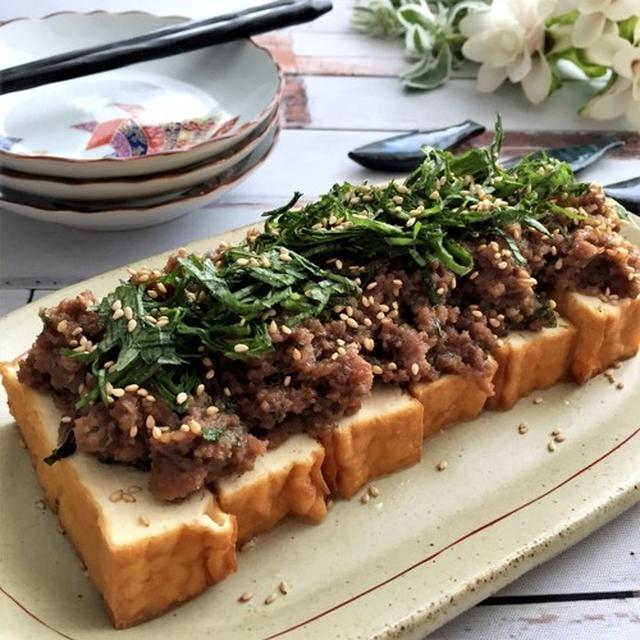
{"x":283,"y":272}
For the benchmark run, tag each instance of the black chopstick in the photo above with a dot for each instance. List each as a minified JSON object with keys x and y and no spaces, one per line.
{"x":161,"y":43}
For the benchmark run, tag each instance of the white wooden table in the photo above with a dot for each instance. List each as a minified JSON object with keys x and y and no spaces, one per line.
{"x":341,"y":91}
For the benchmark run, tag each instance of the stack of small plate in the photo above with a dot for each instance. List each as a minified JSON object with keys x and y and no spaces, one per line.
{"x":136,"y":146}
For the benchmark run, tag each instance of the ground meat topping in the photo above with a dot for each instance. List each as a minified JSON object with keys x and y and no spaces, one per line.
{"x":194,"y":370}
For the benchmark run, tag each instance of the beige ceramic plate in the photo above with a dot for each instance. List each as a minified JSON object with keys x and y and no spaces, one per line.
{"x":432,"y":545}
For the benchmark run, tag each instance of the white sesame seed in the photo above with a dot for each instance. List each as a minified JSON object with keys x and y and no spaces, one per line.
{"x":245,"y":597}
{"x":118,"y":303}
{"x":287,"y":381}
{"x":181,"y":398}
{"x":297,"y":355}
{"x":415,"y":369}
{"x":369,"y":344}
{"x":152,"y":294}
{"x":185,"y":428}
{"x":442,"y":465}
{"x":537,"y":400}
{"x":61,"y":327}
{"x":242,"y":262}
{"x":523,"y":428}
{"x":284,"y":587}
{"x":285,"y":330}
{"x":131,"y":326}
{"x":195,"y":427}
{"x":365,"y":498}
{"x":372,"y":285}
{"x":227,"y":392}
{"x":241,"y":348}
{"x":374,"y":492}
{"x":116,"y":496}
{"x":270,"y":598}
{"x":150,"y":422}
{"x":131,"y":388}
{"x":352,"y":323}
{"x":117,"y":314}
{"x":128,"y":313}
{"x":142,"y":392}
{"x":118,"y":392}
{"x":144,"y":521}
{"x":200,"y":389}
{"x":212,"y":410}
{"x":209,"y":375}
{"x":66,"y":419}
{"x":377,"y":370}
{"x":133,"y":432}
{"x":156,"y":433}
{"x":551,"y":446}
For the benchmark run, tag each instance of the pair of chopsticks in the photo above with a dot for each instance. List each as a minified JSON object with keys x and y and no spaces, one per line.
{"x":161,"y":43}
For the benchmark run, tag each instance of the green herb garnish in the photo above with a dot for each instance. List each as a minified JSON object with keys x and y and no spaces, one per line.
{"x":293,"y":270}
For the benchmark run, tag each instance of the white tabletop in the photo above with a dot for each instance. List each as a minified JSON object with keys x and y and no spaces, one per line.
{"x":342,"y":92}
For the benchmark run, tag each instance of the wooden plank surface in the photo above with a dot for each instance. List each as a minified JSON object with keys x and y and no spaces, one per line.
{"x":341,"y":93}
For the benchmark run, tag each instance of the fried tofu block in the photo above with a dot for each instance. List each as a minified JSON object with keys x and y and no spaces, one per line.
{"x":286,"y":480}
{"x":607,"y":331}
{"x":384,"y":435}
{"x":530,"y":360}
{"x":144,"y":556}
{"x":448,"y":400}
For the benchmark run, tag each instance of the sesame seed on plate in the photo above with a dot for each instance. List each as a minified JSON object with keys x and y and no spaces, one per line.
{"x":284,"y":587}
{"x":270,"y":598}
{"x":551,"y":446}
{"x":442,"y":465}
{"x":144,"y":521}
{"x":523,"y":428}
{"x":374,"y":492}
{"x":365,"y":498}
{"x":245,"y":597}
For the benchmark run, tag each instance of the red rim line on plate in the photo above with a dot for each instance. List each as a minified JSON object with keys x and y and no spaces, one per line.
{"x":399,"y":574}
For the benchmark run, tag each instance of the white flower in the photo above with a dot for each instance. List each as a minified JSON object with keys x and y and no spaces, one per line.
{"x":508,"y":40}
{"x":623,"y":97}
{"x":594,"y":16}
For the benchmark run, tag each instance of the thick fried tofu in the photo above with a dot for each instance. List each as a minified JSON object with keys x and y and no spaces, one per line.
{"x":530,"y":360}
{"x":286,"y":480}
{"x":607,"y":331}
{"x":143,"y":555}
{"x":448,"y":400}
{"x":384,"y":435}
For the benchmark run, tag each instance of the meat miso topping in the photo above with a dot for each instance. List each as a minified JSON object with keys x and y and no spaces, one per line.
{"x":194,"y":370}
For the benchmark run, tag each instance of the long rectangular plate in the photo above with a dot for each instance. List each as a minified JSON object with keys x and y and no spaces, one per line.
{"x":431,"y":545}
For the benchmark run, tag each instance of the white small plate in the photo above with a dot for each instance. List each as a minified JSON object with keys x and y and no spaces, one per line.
{"x":149,"y":212}
{"x":149,"y":117}
{"x":431,"y":545}
{"x":137,"y":186}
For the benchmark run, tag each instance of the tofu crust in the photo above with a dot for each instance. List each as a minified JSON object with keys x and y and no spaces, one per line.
{"x":286,"y":480}
{"x":141,"y":570}
{"x":448,"y":400}
{"x":530,"y":360}
{"x":385,"y":435}
{"x":145,"y":556}
{"x":607,"y":331}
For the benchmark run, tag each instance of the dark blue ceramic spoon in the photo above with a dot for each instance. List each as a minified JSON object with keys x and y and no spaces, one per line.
{"x":578,"y":156}
{"x":404,"y":152}
{"x":626,"y":192}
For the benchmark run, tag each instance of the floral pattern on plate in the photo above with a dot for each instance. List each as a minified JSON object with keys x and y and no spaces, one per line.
{"x":129,"y":136}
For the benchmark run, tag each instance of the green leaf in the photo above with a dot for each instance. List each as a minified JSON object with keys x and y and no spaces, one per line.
{"x":429,"y":73}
